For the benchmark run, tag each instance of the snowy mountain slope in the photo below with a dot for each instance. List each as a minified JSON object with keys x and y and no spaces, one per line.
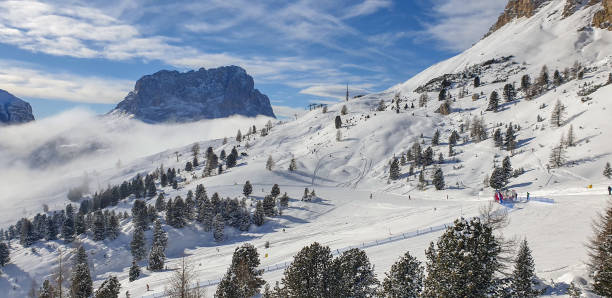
{"x":345,"y":173}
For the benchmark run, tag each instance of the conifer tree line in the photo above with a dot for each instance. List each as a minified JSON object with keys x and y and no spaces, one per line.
{"x":464,"y":262}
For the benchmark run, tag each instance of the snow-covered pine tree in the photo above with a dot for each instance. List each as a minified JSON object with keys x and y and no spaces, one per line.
{"x":188,"y":167}
{"x":218,"y":227}
{"x":292,"y":165}
{"x":160,"y":205}
{"x":607,"y":172}
{"x":557,"y":79}
{"x":525,"y":82}
{"x":557,"y":155}
{"x":270,"y":163}
{"x":259,"y":215}
{"x":510,"y":141}
{"x":543,"y":79}
{"x":476,"y":82}
{"x":275,"y":190}
{"x":134,"y":271}
{"x":51,"y":232}
{"x":556,"y":117}
{"x":81,"y":283}
{"x":498,"y":178}
{"x":438,"y":179}
{"x":47,"y":290}
{"x":284,"y":201}
{"x":440,"y":158}
{"x":109,"y":288}
{"x":268,"y":205}
{"x":435,"y":140}
{"x":498,"y":138}
{"x":493,"y":102}
{"x":112,"y":230}
{"x":463,"y":262}
{"x":160,"y":238}
{"x":157,"y":256}
{"x":309,"y":273}
{"x":5,"y":257}
{"x":99,"y":230}
{"x":344,"y":110}
{"x":600,"y":253}
{"x":352,"y":275}
{"x":405,"y":279}
{"x":137,"y":245}
{"x":239,"y":136}
{"x":509,"y":92}
{"x":422,"y":182}
{"x":523,"y":276}
{"x":394,"y":170}
{"x":507,"y":167}
{"x":26,"y":237}
{"x":338,"y":122}
{"x":242,"y":279}
{"x":68,"y":226}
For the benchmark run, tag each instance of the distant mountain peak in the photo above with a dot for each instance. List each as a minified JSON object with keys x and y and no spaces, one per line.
{"x":14,"y":110}
{"x":173,"y":96}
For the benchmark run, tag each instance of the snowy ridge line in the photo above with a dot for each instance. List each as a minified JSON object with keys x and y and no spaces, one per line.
{"x":336,"y":252}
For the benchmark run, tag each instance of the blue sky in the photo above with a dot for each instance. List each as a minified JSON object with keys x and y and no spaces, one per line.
{"x":60,"y":55}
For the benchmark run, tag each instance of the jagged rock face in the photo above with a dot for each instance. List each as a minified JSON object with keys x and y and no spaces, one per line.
{"x":172,"y":96}
{"x":14,"y":110}
{"x":516,"y":9}
{"x":603,"y":18}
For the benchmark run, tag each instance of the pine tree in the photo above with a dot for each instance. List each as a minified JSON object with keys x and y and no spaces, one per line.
{"x":160,"y":238}
{"x":498,"y":138}
{"x":510,"y":141}
{"x":556,"y":117}
{"x":353,"y":275}
{"x":422,"y":182}
{"x":284,"y":200}
{"x":394,"y":170}
{"x":498,"y":178}
{"x":47,"y":290}
{"x":275,"y":190}
{"x":109,"y":288}
{"x":134,"y":271}
{"x":338,"y":122}
{"x":51,"y":230}
{"x":509,"y":92}
{"x":476,"y":82}
{"x":239,"y":136}
{"x":607,"y":172}
{"x":218,"y":227}
{"x":525,"y":82}
{"x":269,"y":163}
{"x":259,"y":216}
{"x":112,"y":230}
{"x":557,"y":155}
{"x":493,"y":102}
{"x":99,"y":229}
{"x":268,"y":205}
{"x":247,"y":189}
{"x":157,"y":257}
{"x":292,"y":165}
{"x":309,"y":273}
{"x":438,"y":179}
{"x":435,"y":140}
{"x":523,"y":276}
{"x":81,"y":283}
{"x":79,"y":224}
{"x":507,"y":168}
{"x":5,"y":257}
{"x":600,"y":253}
{"x":68,"y":226}
{"x":242,"y":279}
{"x":463,"y":261}
{"x":570,"y":141}
{"x":26,"y":237}
{"x":405,"y":279}
{"x":137,"y":245}
{"x":557,"y":79}
{"x":188,"y":167}
{"x":543,"y":80}
{"x":160,"y":205}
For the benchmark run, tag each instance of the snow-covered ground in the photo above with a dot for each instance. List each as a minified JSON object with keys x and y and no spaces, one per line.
{"x":346,"y":173}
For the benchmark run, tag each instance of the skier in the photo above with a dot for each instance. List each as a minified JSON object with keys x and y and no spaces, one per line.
{"x":527,"y":196}
{"x":148,"y":288}
{"x":610,"y":190}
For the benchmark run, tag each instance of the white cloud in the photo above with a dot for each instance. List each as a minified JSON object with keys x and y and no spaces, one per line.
{"x":335,"y":91}
{"x":367,"y":7}
{"x":460,"y":23}
{"x":27,"y":81}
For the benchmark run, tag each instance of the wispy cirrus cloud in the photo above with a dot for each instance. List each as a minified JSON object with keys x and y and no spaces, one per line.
{"x":25,"y":80}
{"x":460,"y":23}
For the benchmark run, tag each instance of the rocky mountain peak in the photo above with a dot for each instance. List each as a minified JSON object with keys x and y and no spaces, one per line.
{"x":603,"y":18}
{"x":172,"y":96}
{"x":14,"y":110}
{"x":516,"y":9}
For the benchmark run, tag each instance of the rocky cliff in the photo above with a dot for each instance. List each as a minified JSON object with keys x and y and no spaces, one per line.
{"x":14,"y":110}
{"x":603,"y":18}
{"x":516,"y":9}
{"x":172,"y":96}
